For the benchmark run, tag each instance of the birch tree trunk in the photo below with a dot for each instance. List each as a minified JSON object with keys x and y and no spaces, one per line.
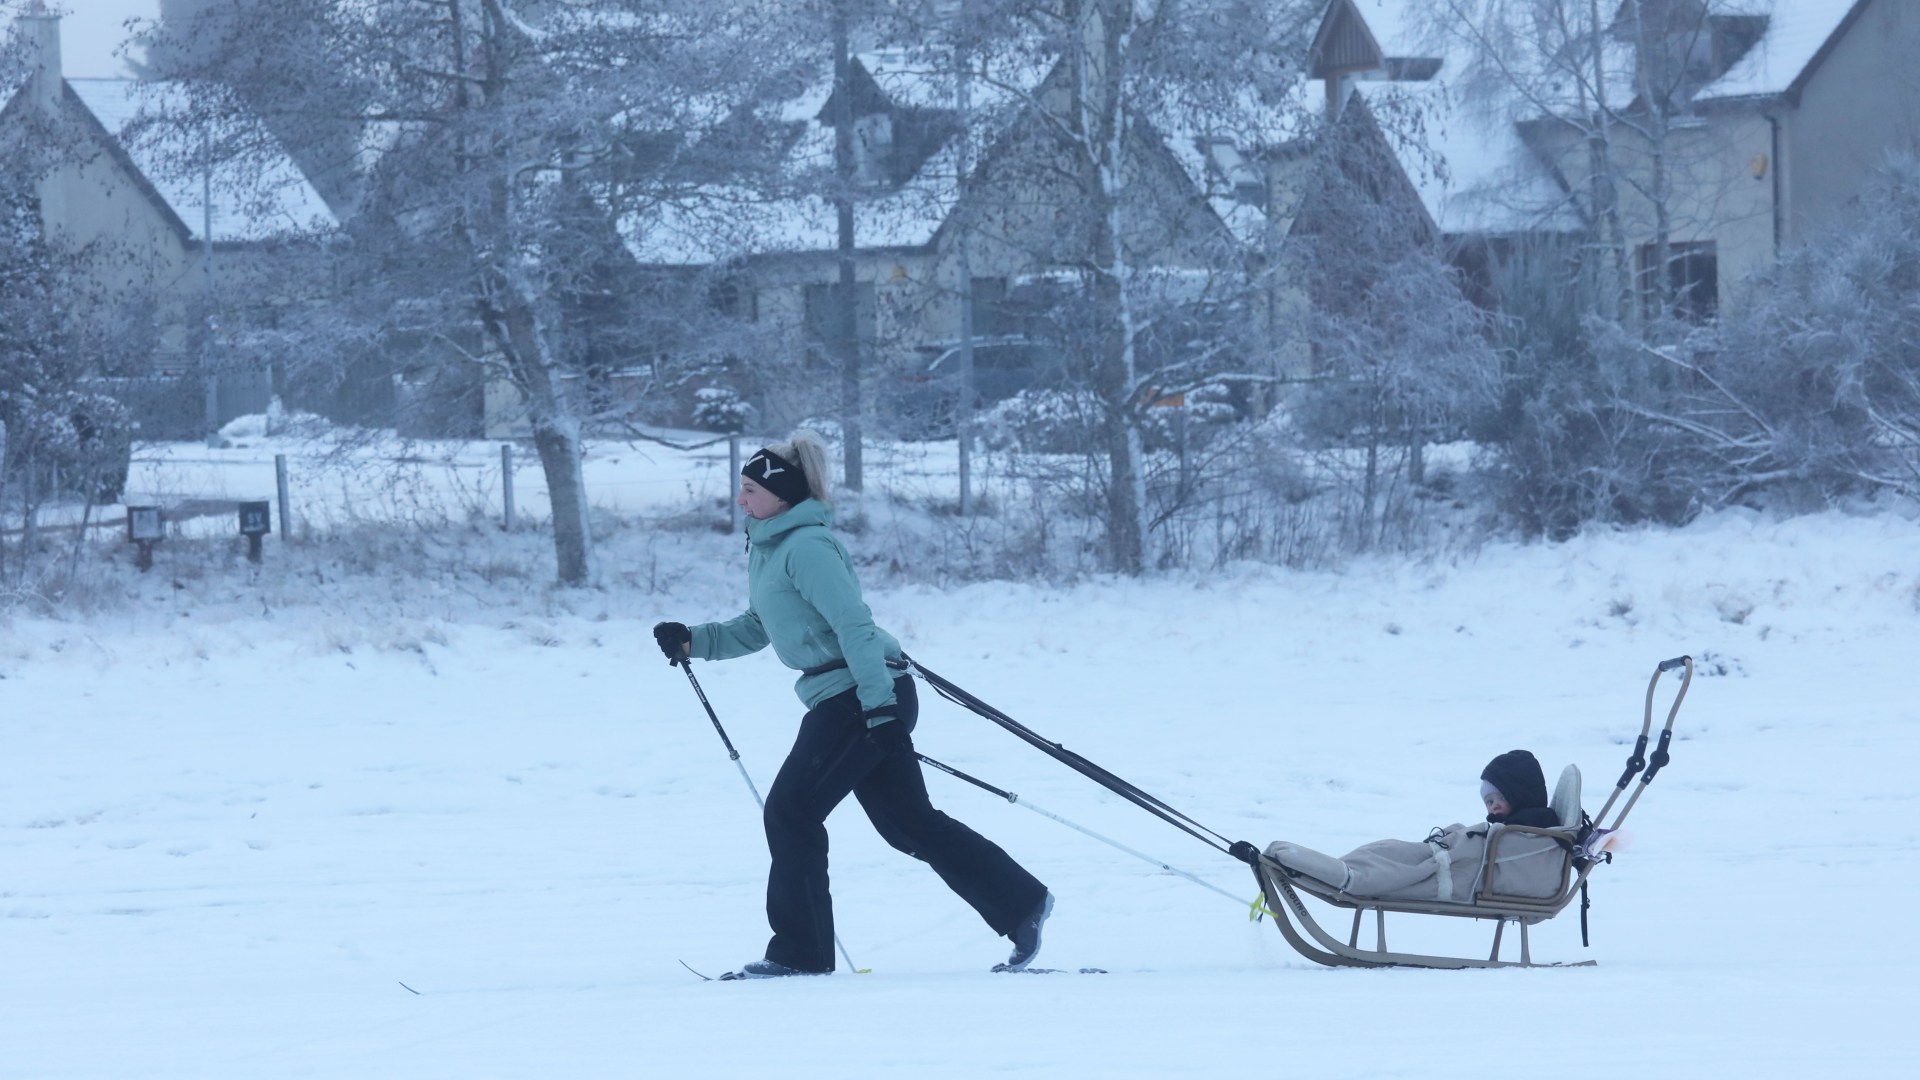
{"x":511,"y":310}
{"x":1105,"y":31}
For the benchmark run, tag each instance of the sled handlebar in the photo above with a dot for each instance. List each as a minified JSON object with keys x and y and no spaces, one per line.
{"x":1639,"y":759}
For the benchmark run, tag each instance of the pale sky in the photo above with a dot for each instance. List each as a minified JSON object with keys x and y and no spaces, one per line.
{"x":92,"y":29}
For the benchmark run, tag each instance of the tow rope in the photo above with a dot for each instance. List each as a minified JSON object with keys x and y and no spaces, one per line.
{"x":1239,"y":849}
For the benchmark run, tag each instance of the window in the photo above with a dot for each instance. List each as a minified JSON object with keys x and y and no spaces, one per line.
{"x":1692,"y":277}
{"x":822,"y":324}
{"x":872,"y":148}
{"x":732,"y":296}
{"x":991,"y":316}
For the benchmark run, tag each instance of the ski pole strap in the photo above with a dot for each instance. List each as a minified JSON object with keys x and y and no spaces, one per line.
{"x":1241,"y":850}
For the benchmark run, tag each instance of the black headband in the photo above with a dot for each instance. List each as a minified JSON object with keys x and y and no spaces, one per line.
{"x":778,"y":475}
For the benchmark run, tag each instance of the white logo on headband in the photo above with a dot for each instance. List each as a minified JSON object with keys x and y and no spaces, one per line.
{"x":767,"y":467}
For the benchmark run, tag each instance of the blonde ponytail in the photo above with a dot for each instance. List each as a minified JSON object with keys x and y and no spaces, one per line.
{"x":806,"y":450}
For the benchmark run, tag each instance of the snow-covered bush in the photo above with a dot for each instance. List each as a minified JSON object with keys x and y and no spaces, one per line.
{"x":1813,"y":391}
{"x":1042,"y":422}
{"x":718,"y":408}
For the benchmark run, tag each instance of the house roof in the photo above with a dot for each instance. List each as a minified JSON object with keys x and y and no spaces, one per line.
{"x":269,"y":199}
{"x":718,"y":223}
{"x":1473,"y":173}
{"x":1396,"y":26}
{"x":1799,"y":32}
{"x":1225,"y":147}
{"x":1469,"y":166}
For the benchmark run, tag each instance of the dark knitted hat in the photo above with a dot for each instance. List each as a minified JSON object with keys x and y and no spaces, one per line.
{"x":778,"y":475}
{"x":1519,"y":778}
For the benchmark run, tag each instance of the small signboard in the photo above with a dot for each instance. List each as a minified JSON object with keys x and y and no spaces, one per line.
{"x":256,"y":518}
{"x":144,"y":527}
{"x":143,"y":523}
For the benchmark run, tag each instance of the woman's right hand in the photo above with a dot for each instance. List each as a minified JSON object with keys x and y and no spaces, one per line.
{"x":675,"y":640}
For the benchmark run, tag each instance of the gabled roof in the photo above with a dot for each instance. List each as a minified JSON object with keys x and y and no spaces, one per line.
{"x":720,"y":222}
{"x":1396,"y":26}
{"x":1474,"y":174}
{"x":1227,"y":163}
{"x":1471,"y":169}
{"x":275,"y":200}
{"x":1799,"y":35}
{"x":1355,"y":35}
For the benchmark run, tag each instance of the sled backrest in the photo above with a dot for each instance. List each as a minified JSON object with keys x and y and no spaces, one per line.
{"x":1566,"y":798}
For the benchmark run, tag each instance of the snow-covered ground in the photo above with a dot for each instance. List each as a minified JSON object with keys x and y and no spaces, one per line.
{"x":240,"y":807}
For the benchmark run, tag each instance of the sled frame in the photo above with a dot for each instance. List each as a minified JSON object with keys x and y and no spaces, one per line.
{"x":1281,"y":887}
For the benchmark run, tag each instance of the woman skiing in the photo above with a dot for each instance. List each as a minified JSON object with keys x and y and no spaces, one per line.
{"x":804,"y":600}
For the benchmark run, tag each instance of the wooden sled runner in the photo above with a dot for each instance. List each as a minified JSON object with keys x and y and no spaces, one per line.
{"x":1578,"y":844}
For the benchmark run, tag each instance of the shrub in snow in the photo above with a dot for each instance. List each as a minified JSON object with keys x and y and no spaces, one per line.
{"x":716,"y":408}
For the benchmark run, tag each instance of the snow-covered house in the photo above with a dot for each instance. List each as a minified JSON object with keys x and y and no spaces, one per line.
{"x":909,"y":157}
{"x":161,"y":249}
{"x":1777,"y":109}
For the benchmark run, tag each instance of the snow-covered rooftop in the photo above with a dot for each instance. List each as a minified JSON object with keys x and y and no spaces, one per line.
{"x":266,"y":199}
{"x":1796,"y":31}
{"x":1398,"y":27}
{"x":1473,"y":174}
{"x":722,"y":222}
{"x":1466,"y":160}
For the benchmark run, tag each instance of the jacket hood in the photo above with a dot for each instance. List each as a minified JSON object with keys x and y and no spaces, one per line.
{"x":1519,"y":778}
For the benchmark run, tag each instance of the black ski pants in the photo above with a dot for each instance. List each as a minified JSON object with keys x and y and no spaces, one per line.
{"x":834,"y":754}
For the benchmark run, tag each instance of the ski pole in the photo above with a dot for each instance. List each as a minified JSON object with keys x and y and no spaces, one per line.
{"x":1018,"y":801}
{"x":687,"y":663}
{"x":724,"y":741}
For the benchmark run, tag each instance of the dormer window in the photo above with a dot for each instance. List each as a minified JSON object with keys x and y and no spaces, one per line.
{"x":1233,"y":171}
{"x":872,"y":148}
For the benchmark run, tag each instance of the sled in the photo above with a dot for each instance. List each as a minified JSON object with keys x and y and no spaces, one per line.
{"x":1579,"y":844}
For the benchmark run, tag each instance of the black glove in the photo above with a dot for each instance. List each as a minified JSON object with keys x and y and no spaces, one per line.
{"x":894,"y":734}
{"x":673,"y":638}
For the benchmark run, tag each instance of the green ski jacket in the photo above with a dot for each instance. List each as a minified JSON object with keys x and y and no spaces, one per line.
{"x":804,"y":600}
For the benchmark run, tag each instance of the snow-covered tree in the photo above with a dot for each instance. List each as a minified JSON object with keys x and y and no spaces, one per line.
{"x":502,"y":144}
{"x":1605,"y":90}
{"x":1144,"y":286}
{"x":1812,"y":391}
{"x":59,"y":436}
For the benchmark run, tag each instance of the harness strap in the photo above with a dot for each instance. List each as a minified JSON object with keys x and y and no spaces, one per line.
{"x":1239,"y":849}
{"x":836,"y":665}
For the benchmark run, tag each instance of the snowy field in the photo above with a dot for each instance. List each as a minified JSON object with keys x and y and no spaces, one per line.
{"x":242,"y":807}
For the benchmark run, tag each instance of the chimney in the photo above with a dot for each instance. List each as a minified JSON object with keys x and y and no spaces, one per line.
{"x":44,"y":89}
{"x":43,"y":47}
